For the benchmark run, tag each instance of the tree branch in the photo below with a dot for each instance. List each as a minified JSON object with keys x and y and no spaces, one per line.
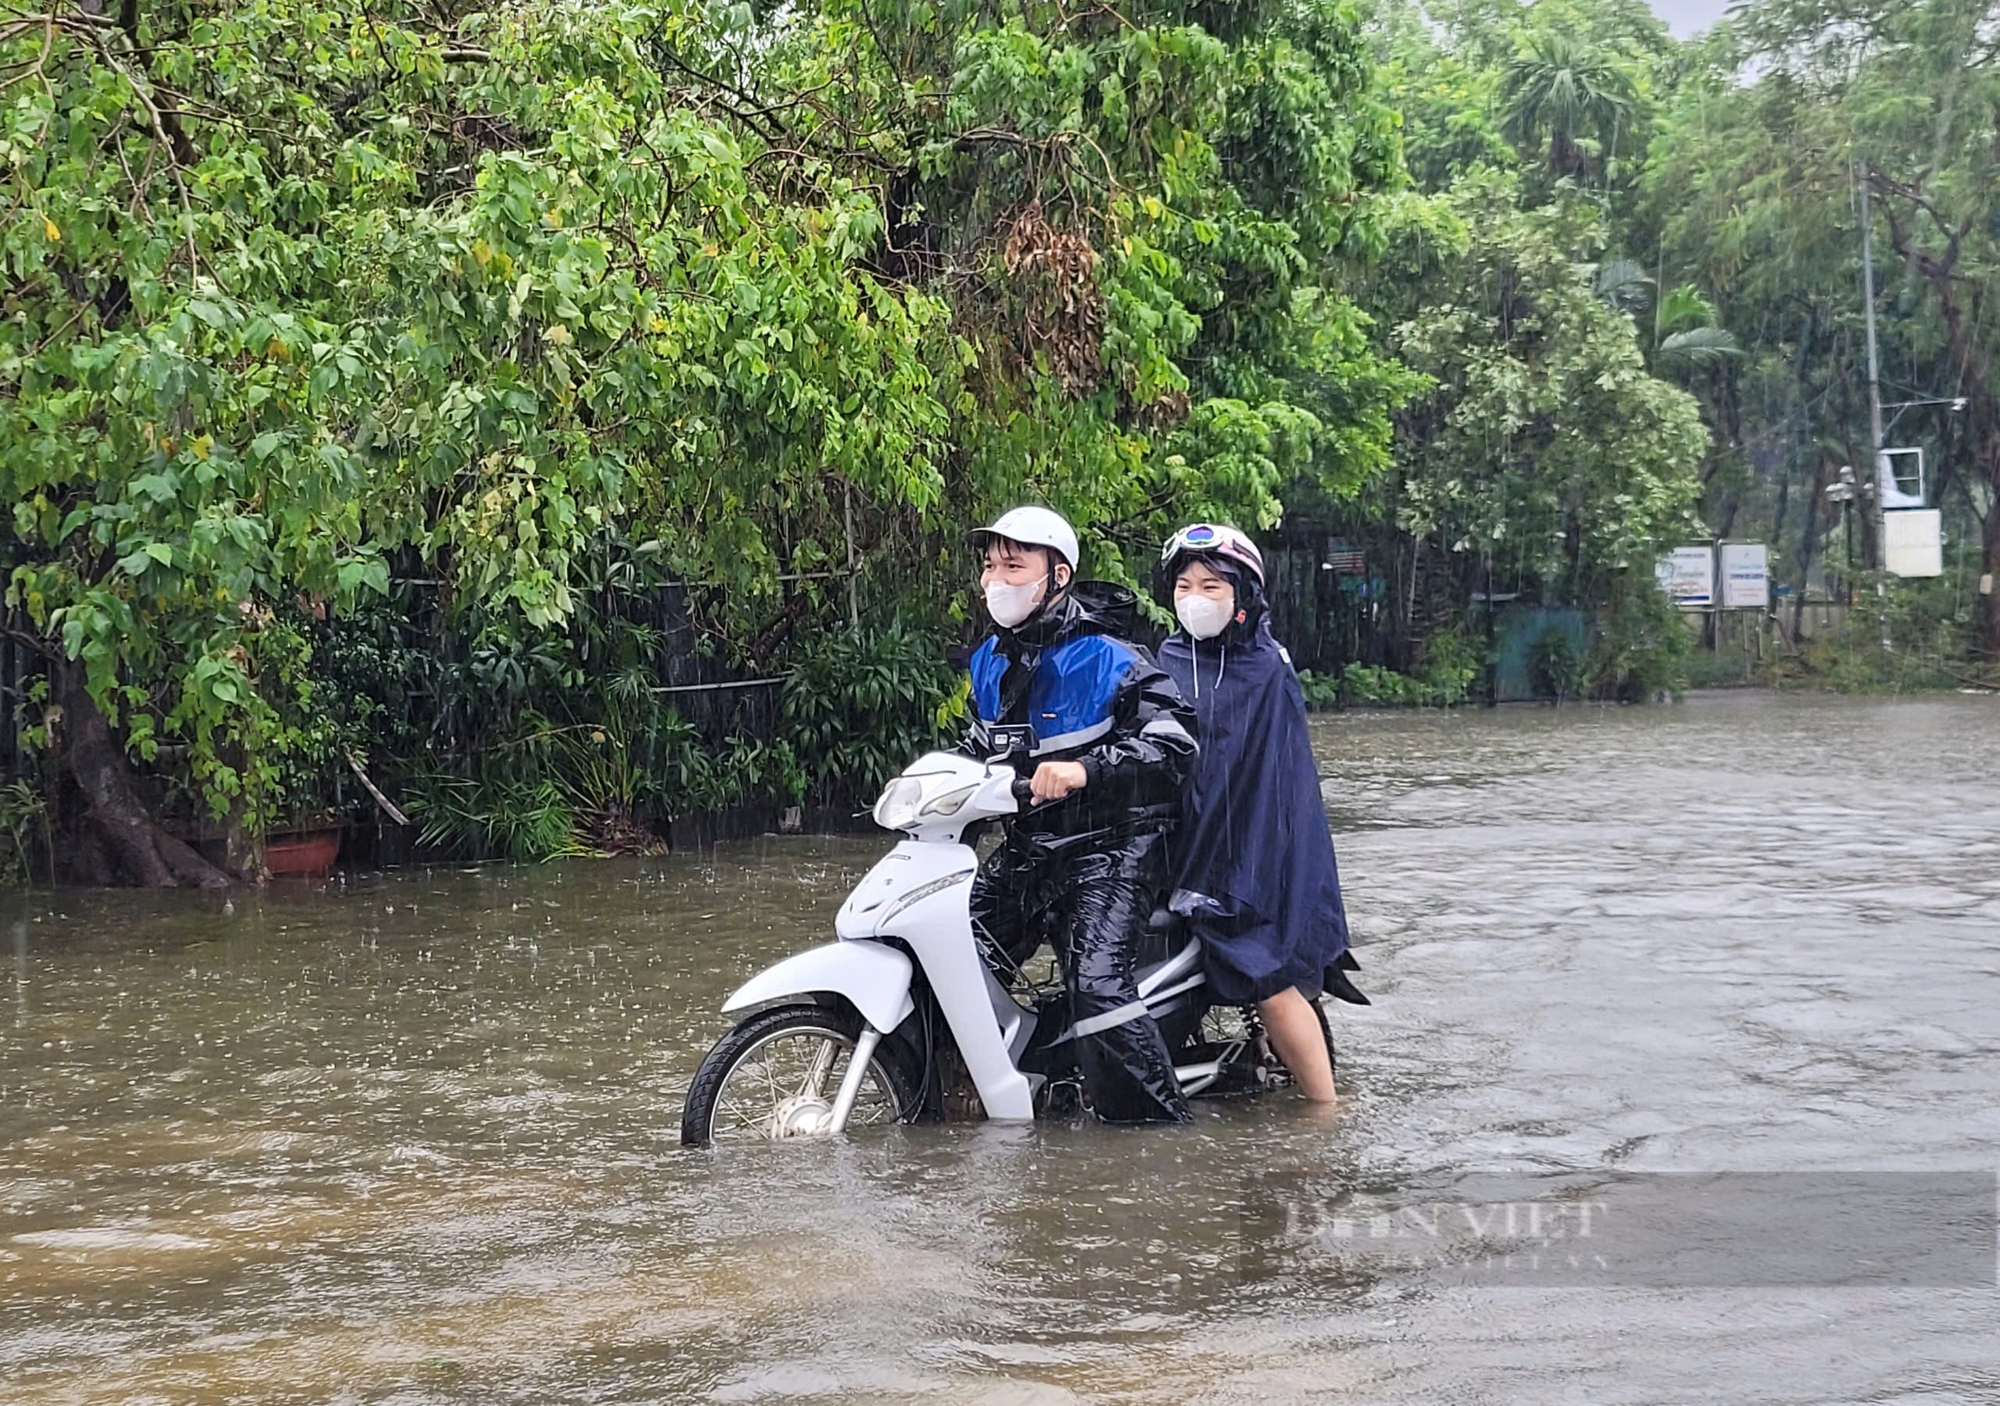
{"x":30,"y":641}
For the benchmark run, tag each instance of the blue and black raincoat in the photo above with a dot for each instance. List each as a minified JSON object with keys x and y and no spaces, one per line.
{"x":1085,"y":873}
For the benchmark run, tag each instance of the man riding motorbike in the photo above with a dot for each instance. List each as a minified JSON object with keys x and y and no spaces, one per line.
{"x":1112,"y":744}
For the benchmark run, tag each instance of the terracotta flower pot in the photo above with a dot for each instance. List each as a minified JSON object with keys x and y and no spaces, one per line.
{"x":304,"y":854}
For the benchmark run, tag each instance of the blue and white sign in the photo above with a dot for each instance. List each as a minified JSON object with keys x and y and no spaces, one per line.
{"x":1746,"y":576}
{"x":1687,"y":575}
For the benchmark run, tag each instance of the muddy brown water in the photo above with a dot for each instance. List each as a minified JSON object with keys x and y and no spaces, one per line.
{"x":411,"y":1138}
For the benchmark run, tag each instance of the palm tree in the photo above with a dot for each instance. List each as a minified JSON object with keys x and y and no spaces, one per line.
{"x":1687,"y":331}
{"x":1555,"y":85}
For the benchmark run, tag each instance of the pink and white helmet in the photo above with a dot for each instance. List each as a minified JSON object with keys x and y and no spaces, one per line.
{"x":1208,"y":539}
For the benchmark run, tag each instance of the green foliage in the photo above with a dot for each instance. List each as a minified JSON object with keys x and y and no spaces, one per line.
{"x":314,"y":727}
{"x":1320,"y":690}
{"x":1641,"y":648}
{"x":855,"y":707}
{"x":1561,"y":87}
{"x":859,"y":706}
{"x":1544,"y":457}
{"x":1698,"y":346}
{"x":329,"y":330}
{"x":1450,"y":111}
{"x":498,"y":816}
{"x":1370,"y":685}
{"x":524,"y":300}
{"x":1750,"y":191}
{"x":1720,"y":175}
{"x":1452,"y":666}
{"x":1929,"y":627}
{"x":24,"y":819}
{"x":1544,"y":442}
{"x":1453,"y":663}
{"x":1555,"y":665}
{"x":552,"y":790}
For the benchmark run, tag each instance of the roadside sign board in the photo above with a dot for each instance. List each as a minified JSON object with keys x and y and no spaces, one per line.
{"x":1913,"y":542}
{"x":1687,"y":575}
{"x":1746,"y":576}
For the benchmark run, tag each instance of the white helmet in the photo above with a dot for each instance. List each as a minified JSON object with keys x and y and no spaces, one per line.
{"x":1031,"y":527}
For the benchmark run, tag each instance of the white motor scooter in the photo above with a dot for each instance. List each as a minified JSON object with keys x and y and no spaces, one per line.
{"x":894,"y":1021}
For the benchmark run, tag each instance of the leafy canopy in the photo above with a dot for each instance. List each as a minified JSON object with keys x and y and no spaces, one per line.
{"x":304,"y":294}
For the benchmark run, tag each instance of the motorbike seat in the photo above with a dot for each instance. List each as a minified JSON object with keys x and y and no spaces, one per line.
{"x":1168,"y":952}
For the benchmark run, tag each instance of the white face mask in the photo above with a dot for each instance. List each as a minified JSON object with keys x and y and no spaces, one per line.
{"x":1010,"y":605}
{"x":1203,"y":616}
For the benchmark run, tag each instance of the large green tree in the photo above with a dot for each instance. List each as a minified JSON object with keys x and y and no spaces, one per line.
{"x":1737,"y":198}
{"x":297,"y":292}
{"x":1546,"y":455}
{"x":1732,"y":227}
{"x":291,"y":289}
{"x":1907,"y":96}
{"x":1545,"y":452}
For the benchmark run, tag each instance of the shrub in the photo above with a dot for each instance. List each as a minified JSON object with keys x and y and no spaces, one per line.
{"x":1901,"y":636}
{"x":1556,"y":665}
{"x":1641,"y":652}
{"x":858,"y":706}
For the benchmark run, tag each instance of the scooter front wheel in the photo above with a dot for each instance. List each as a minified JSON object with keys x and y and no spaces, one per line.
{"x":775,"y":1077}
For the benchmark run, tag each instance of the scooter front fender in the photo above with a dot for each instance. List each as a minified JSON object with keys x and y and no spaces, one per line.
{"x":874,"y":977}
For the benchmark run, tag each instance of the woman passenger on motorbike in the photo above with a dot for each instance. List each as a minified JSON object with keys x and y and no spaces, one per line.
{"x":1256,"y":875}
{"x":1109,"y":751}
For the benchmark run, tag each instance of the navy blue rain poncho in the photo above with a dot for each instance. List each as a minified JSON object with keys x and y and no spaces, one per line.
{"x":1256,"y":875}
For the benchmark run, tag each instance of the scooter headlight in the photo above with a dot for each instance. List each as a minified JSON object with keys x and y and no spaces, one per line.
{"x":897,"y":809}
{"x":949,"y":801}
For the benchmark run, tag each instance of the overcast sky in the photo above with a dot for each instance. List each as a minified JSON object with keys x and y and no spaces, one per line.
{"x":1685,"y":17}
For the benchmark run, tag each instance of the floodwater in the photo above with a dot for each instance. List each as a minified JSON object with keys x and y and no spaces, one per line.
{"x":412,"y":1138}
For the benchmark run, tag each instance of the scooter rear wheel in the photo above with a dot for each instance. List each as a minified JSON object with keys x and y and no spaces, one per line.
{"x":1237,"y":1034}
{"x":774,"y":1077}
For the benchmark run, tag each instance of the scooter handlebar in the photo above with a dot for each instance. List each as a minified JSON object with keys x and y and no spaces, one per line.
{"x":1024,"y":791}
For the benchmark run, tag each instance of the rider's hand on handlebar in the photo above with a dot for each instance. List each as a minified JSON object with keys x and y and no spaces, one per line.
{"x":1054,"y":780}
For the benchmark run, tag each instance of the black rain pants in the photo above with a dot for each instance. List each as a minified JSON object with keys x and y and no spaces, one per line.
{"x":1091,"y":902}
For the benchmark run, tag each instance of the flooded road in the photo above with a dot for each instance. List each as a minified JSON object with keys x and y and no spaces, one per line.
{"x":412,"y":1138}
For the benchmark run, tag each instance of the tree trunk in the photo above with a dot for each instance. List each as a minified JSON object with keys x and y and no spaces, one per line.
{"x":1989,"y":566}
{"x":1822,"y":475}
{"x":1861,"y":529}
{"x":242,"y":846}
{"x":1729,"y":418}
{"x":1406,"y":627}
{"x":1784,"y":504}
{"x":118,"y":842}
{"x":1731,"y":502}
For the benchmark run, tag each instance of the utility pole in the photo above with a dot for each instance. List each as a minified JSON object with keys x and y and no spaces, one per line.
{"x":1875,"y":510}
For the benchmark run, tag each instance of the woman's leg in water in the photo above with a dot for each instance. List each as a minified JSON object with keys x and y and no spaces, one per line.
{"x":1292,"y":1024}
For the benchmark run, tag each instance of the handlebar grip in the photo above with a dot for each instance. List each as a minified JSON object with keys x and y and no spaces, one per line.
{"x":1024,"y":791}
